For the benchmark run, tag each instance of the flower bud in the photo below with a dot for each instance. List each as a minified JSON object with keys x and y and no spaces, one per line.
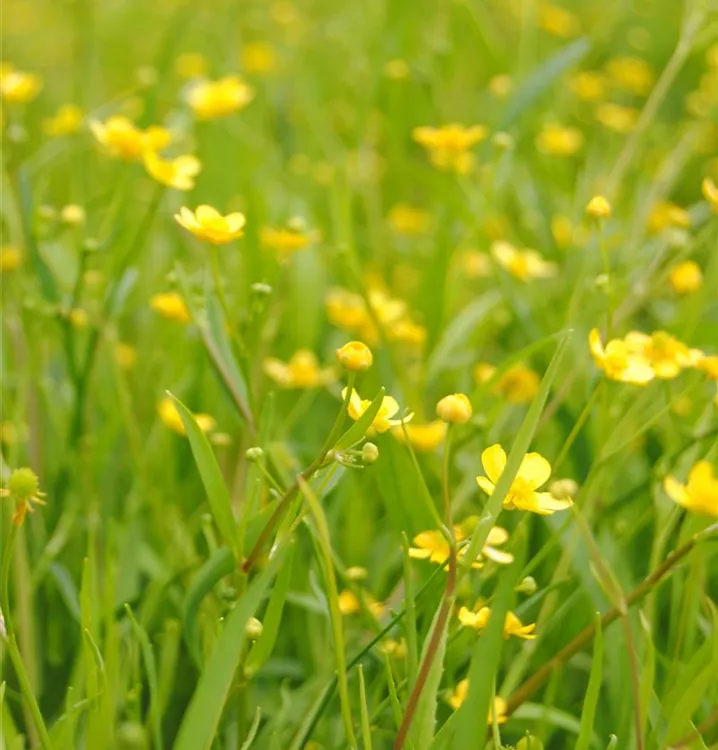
{"x":455,"y":409}
{"x":253,"y":629}
{"x":356,"y":573}
{"x":598,"y":207}
{"x":261,"y":290}
{"x":369,"y":453}
{"x":253,"y":454}
{"x":73,"y":215}
{"x":355,"y":356}
{"x":527,"y":586}
{"x":564,"y":489}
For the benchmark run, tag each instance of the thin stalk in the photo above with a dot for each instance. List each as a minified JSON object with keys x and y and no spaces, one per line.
{"x":578,"y":425}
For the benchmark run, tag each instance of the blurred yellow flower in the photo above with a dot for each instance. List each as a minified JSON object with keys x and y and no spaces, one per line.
{"x":455,"y":408}
{"x":425,"y":438}
{"x":710,"y":193}
{"x":475,"y":264}
{"x":666,"y":215}
{"x":191,"y":65}
{"x":79,"y":318}
{"x":512,"y":625}
{"x":618,"y":361}
{"x":557,"y":140}
{"x":432,"y":545}
{"x":700,"y":494}
{"x":170,"y":305}
{"x":519,"y":384}
{"x":301,"y":371}
{"x":558,"y":21}
{"x":406,"y":332}
{"x":589,"y":86}
{"x":10,"y":258}
{"x":396,"y":69}
{"x":24,"y":488}
{"x":73,"y":215}
{"x":355,"y":356}
{"x":522,"y":264}
{"x":177,"y":173}
{"x":170,"y":418}
{"x":407,"y":219}
{"x":632,"y":74}
{"x":666,"y":355}
{"x":598,"y":207}
{"x":121,"y":139}
{"x":285,"y":241}
{"x":449,"y":146}
{"x":18,"y":87}
{"x":501,"y":85}
{"x":67,"y":120}
{"x":212,"y":99}
{"x":348,"y":602}
{"x":533,"y":472}
{"x":125,"y":355}
{"x":461,"y":692}
{"x":259,"y":58}
{"x":383,"y":421}
{"x":686,"y":277}
{"x":616,"y":117}
{"x":207,"y":224}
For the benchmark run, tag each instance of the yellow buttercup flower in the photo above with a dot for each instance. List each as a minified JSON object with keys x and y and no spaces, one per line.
{"x":170,"y":418}
{"x":700,"y":494}
{"x":512,"y":625}
{"x":616,"y":117}
{"x":455,"y":408}
{"x":425,"y":438}
{"x":558,"y":21}
{"x":598,"y":207}
{"x":475,"y":264}
{"x":207,"y":224}
{"x":665,"y":353}
{"x":500,"y":707}
{"x":533,"y":472}
{"x":191,"y":65}
{"x":73,"y":215}
{"x":301,"y":371}
{"x":125,"y":355}
{"x":397,"y":69}
{"x":710,"y":193}
{"x":67,"y":120}
{"x":519,"y":384}
{"x":383,"y":421}
{"x":24,"y":488}
{"x":686,"y":277}
{"x":285,"y":241}
{"x":177,"y":173}
{"x":10,"y":258}
{"x":18,"y":87}
{"x":501,"y":85}
{"x":212,"y":99}
{"x":666,"y":215}
{"x":409,"y":220}
{"x":406,"y":332}
{"x":121,"y":139}
{"x":557,"y":140}
{"x":348,"y":602}
{"x":355,"y":356}
{"x":432,"y":545}
{"x":449,"y":146}
{"x":522,"y":264}
{"x":633,"y":74}
{"x":259,"y":58}
{"x":590,"y":86}
{"x":619,"y":362}
{"x":170,"y":305}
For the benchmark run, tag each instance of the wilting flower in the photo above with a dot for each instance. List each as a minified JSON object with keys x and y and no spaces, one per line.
{"x":355,"y":356}
{"x":619,"y":362}
{"x":258,"y":57}
{"x":207,"y":224}
{"x":212,"y":99}
{"x":10,"y":258}
{"x":710,"y":193}
{"x":66,"y":121}
{"x":522,"y":264}
{"x":170,"y":417}
{"x":512,"y":625}
{"x":686,"y":277}
{"x":121,"y":139}
{"x":666,"y":355}
{"x":461,"y":692}
{"x":433,"y":546}
{"x":409,"y":220}
{"x":455,"y":408}
{"x":18,"y":87}
{"x":177,"y":173}
{"x":302,"y":371}
{"x":24,"y":488}
{"x":449,"y":146}
{"x":383,"y":420}
{"x":422,"y":437}
{"x":558,"y":140}
{"x":700,"y":494}
{"x":172,"y":306}
{"x":285,"y":241}
{"x":533,"y":472}
{"x":667,"y":215}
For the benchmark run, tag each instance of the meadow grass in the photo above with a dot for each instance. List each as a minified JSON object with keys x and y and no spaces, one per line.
{"x":359,"y":375}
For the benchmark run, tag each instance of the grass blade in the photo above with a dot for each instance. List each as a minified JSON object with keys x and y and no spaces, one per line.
{"x":593,"y":691}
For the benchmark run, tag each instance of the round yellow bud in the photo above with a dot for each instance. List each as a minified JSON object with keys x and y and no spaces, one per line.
{"x":455,"y":408}
{"x":598,"y":207}
{"x":686,"y":277}
{"x":23,"y":484}
{"x":355,"y":356}
{"x":253,"y":629}
{"x":369,"y":453}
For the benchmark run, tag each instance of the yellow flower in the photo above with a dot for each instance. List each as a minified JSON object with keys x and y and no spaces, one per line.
{"x":533,"y":472}
{"x":558,"y":21}
{"x":632,"y":74}
{"x":616,"y":117}
{"x":619,"y":362}
{"x":259,"y":57}
{"x":664,"y":353}
{"x":519,"y":384}
{"x":397,"y":69}
{"x":348,"y":602}
{"x":406,"y":332}
{"x":559,"y":141}
{"x":710,"y":193}
{"x":522,"y":264}
{"x":483,"y":372}
{"x":355,"y":356}
{"x":501,"y":85}
{"x":191,"y":65}
{"x":598,"y":207}
{"x":66,"y":121}
{"x":500,"y":705}
{"x":383,"y":420}
{"x":125,"y":355}
{"x":302,"y":371}
{"x":346,"y":310}
{"x":207,"y":224}
{"x":455,"y":408}
{"x":18,"y":87}
{"x":73,"y":215}
{"x":170,"y":305}
{"x":686,"y":277}
{"x":449,"y":146}
{"x":10,"y":258}
{"x":122,"y":139}
{"x":177,"y":173}
{"x":709,"y":365}
{"x":212,"y":99}
{"x":409,"y":220}
{"x":423,"y":437}
{"x":24,"y":488}
{"x":170,"y":418}
{"x":475,"y":264}
{"x":285,"y":241}
{"x":590,"y":86}
{"x":512,"y":624}
{"x":432,"y":545}
{"x":79,"y":318}
{"x":666,"y":215}
{"x":700,"y":495}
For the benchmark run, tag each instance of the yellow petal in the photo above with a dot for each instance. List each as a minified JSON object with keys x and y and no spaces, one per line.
{"x":595,"y":344}
{"x":548,"y":504}
{"x":675,"y":490}
{"x":486,"y":485}
{"x":535,"y":469}
{"x":389,"y":407}
{"x":497,"y":556}
{"x":206,"y":213}
{"x":493,"y":460}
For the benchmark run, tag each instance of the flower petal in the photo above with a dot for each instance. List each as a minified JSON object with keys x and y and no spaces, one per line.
{"x":676,"y":491}
{"x":493,"y":460}
{"x":535,"y":469}
{"x":486,"y":485}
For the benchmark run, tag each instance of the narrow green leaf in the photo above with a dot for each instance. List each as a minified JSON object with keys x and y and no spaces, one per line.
{"x":251,"y":735}
{"x":221,"y":563}
{"x":593,"y":691}
{"x":167,"y":662}
{"x":66,"y":586}
{"x":219,"y":500}
{"x":393,"y":696}
{"x":365,"y":728}
{"x":357,"y":431}
{"x":200,"y":722}
{"x":648,"y":672}
{"x":148,"y":658}
{"x":529,"y":743}
{"x":262,"y":649}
